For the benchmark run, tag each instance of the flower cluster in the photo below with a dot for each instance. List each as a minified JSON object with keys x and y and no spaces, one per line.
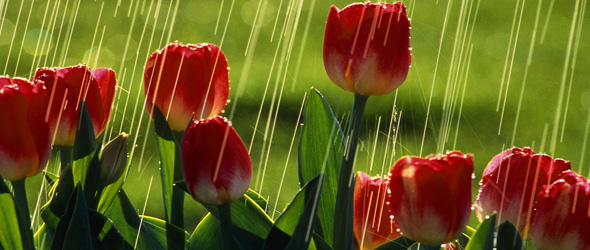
{"x":426,"y":201}
{"x":541,"y":196}
{"x":45,"y":111}
{"x":190,"y":86}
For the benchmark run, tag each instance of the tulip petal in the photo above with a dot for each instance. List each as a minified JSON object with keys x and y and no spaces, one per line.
{"x":106,"y":81}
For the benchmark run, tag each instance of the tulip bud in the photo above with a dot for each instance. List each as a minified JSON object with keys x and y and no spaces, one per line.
{"x":512,"y":185}
{"x":373,"y":225}
{"x":215,"y":162}
{"x":25,"y":142}
{"x":183,"y":80}
{"x":563,"y":218}
{"x":434,"y":196}
{"x":67,"y":87}
{"x":367,"y":47}
{"x":113,"y":160}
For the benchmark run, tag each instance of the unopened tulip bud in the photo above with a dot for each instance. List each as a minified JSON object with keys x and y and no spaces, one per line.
{"x":113,"y":160}
{"x":563,"y":218}
{"x":367,"y":47}
{"x":434,"y":196}
{"x":513,"y":184}
{"x":215,"y":163}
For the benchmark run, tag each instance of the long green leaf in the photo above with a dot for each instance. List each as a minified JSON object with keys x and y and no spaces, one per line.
{"x":9,"y":237}
{"x":292,"y":230}
{"x":170,"y":168}
{"x":84,"y":146}
{"x":249,"y":220}
{"x":247,"y":215}
{"x":56,"y":207}
{"x":154,"y":233}
{"x":206,"y":235}
{"x":508,"y":237}
{"x":320,"y":151}
{"x":73,"y":230}
{"x":110,"y":192}
{"x":483,"y":238}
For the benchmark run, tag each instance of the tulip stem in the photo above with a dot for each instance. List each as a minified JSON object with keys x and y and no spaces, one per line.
{"x":65,"y":156}
{"x":227,"y":240}
{"x":343,"y":214}
{"x":177,"y":215}
{"x":22,"y":211}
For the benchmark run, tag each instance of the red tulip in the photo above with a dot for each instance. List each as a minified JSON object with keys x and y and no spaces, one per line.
{"x":373,"y":225}
{"x":183,"y":80}
{"x":512,"y":185}
{"x":434,"y":196}
{"x":66,"y":88}
{"x":25,"y":142}
{"x":563,"y":218}
{"x":215,"y":162}
{"x":367,"y":47}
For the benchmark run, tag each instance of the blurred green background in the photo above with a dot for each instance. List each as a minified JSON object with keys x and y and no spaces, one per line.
{"x":489,"y":74}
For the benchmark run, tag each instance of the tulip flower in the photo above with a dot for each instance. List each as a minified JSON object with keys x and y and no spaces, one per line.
{"x":563,"y":218}
{"x":512,"y":186}
{"x":215,"y":163}
{"x":434,"y":196}
{"x":367,"y":47}
{"x":25,"y":141}
{"x":113,"y":160}
{"x":373,"y":225}
{"x":66,"y":88}
{"x":183,"y":80}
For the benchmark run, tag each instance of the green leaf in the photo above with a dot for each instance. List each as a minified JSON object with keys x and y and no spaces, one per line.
{"x":320,"y":151}
{"x":249,"y":220}
{"x":56,"y":207}
{"x":44,"y":237}
{"x":260,"y":201}
{"x":320,"y":243}
{"x":400,"y":243}
{"x":483,"y":238}
{"x":154,"y":232}
{"x":292,"y":230}
{"x":109,"y":193}
{"x":170,"y":168}
{"x":206,"y":235}
{"x":9,"y":237}
{"x":84,"y":145}
{"x":91,"y":180}
{"x":247,"y":215}
{"x":73,"y":230}
{"x":508,"y":237}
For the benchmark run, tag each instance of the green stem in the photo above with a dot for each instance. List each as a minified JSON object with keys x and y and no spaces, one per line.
{"x":343,"y":214}
{"x":24,"y":217}
{"x":65,"y":156}
{"x":177,"y":215}
{"x":227,"y":240}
